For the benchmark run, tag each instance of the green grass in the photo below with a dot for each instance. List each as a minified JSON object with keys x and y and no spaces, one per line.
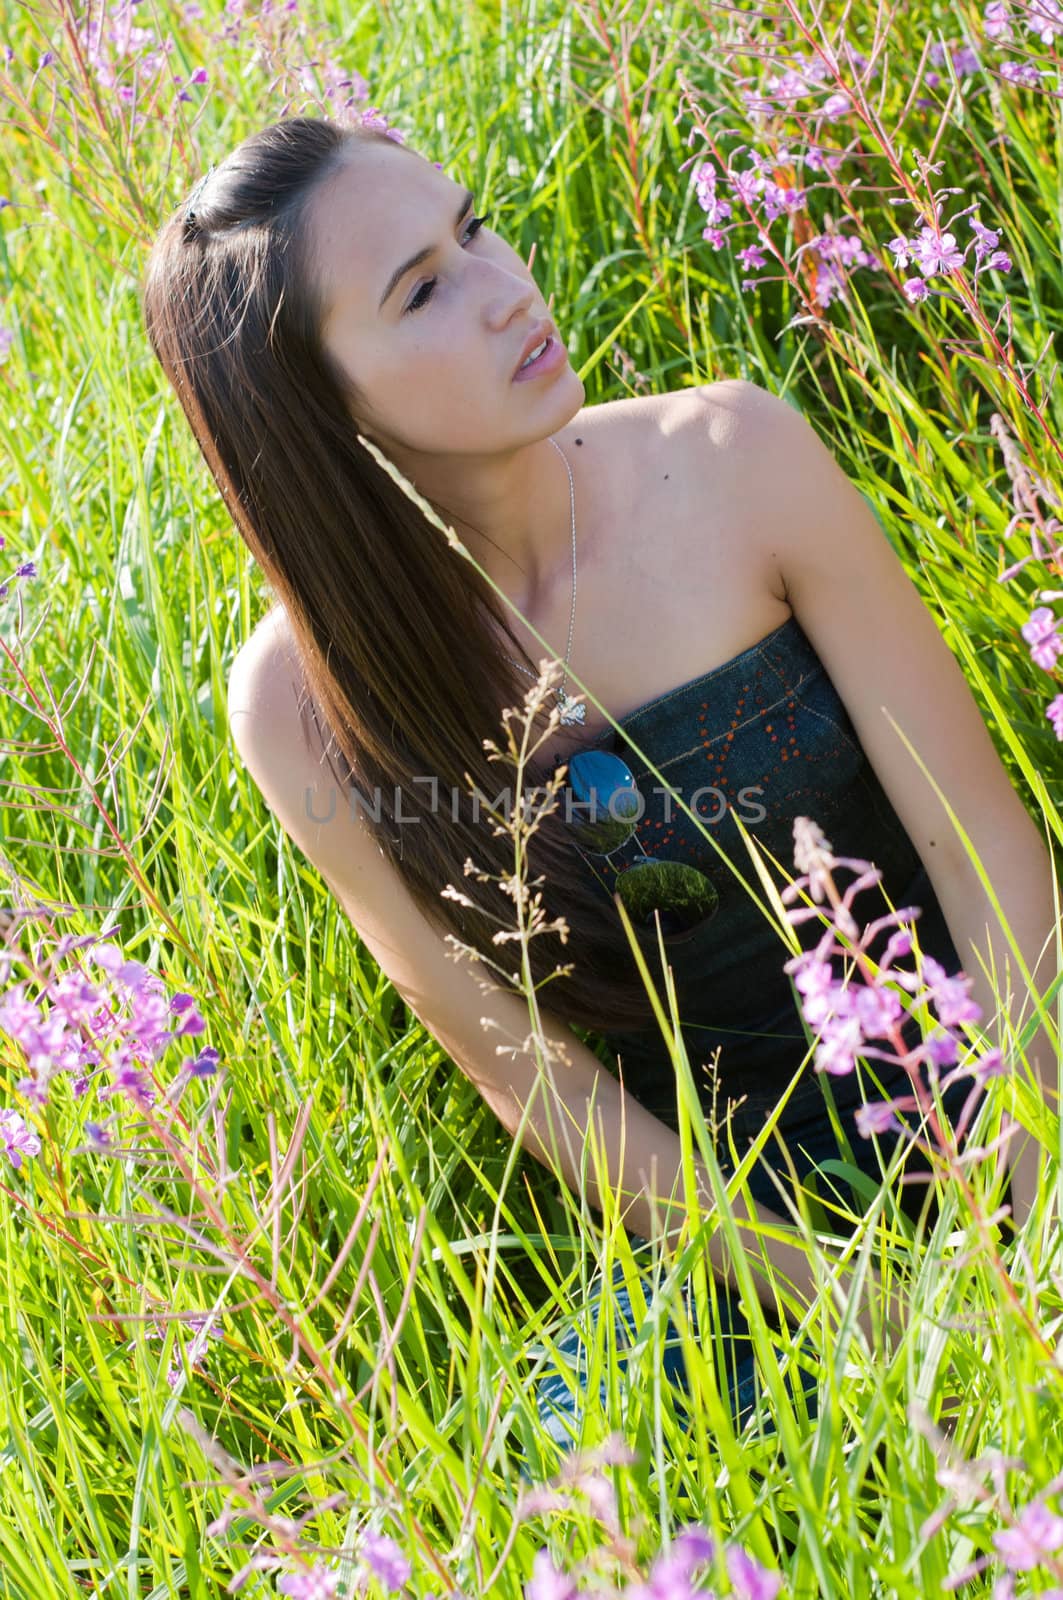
{"x":337,"y":1126}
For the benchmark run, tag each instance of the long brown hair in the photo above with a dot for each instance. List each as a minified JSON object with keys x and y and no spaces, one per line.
{"x":398,"y":635}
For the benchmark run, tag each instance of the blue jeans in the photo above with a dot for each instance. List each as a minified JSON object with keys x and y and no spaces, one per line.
{"x":561,"y":1398}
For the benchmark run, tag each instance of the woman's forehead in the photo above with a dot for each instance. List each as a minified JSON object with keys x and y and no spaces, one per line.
{"x":372,"y":214}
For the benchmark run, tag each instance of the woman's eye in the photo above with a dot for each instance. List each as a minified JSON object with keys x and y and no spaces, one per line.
{"x":424,"y":293}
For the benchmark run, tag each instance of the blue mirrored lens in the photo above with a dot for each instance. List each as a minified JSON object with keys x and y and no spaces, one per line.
{"x":605,"y":802}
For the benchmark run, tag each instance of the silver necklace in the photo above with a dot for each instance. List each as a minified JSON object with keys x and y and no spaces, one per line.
{"x":570,"y":712}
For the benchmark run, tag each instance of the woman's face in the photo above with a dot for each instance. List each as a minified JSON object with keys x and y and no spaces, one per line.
{"x":435,"y":348}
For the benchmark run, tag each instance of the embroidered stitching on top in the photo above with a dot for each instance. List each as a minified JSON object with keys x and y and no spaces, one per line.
{"x":729,"y":733}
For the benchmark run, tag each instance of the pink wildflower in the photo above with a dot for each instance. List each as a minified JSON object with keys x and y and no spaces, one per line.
{"x":547,"y":1582}
{"x":1055,"y":715}
{"x":386,"y":1560}
{"x":18,"y":1138}
{"x":1040,"y":634}
{"x":1037,"y":1533}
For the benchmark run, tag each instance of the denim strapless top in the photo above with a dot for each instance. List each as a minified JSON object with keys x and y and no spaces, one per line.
{"x":767,"y":735}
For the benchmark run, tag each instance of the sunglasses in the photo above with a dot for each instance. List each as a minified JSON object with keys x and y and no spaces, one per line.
{"x":603,"y":789}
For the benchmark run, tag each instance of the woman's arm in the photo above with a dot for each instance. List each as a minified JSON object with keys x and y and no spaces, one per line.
{"x":902,"y":686}
{"x":1017,"y":866}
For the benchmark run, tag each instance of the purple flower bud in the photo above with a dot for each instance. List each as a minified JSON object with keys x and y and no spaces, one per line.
{"x":841,"y":1040}
{"x":694,"y":1544}
{"x":34,"y":1089}
{"x":878,"y":1010}
{"x":131,"y":1081}
{"x":18,"y":1139}
{"x":877,"y":1117}
{"x":386,"y":1560}
{"x":1037,"y":1533}
{"x":989,"y":1065}
{"x":942,"y":1047}
{"x":751,"y":1582}
{"x":949,"y":996}
{"x":1055,"y":716}
{"x":312,"y":1583}
{"x":996,"y":21}
{"x":547,"y":1582}
{"x":1040,"y":633}
{"x":900,"y":944}
{"x":205,"y":1064}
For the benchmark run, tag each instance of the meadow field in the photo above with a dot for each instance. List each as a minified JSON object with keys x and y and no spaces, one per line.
{"x":276,"y":1283}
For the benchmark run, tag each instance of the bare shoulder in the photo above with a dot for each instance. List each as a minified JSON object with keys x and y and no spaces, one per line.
{"x":272,"y":725}
{"x":718,"y":407}
{"x":282,"y":748}
{"x":710,"y":424}
{"x":753,"y":432}
{"x":743,"y":418}
{"x":266,"y":685}
{"x":700,"y":430}
{"x":725,"y":433}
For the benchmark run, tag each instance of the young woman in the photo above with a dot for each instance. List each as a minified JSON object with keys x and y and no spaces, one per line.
{"x":697,"y":559}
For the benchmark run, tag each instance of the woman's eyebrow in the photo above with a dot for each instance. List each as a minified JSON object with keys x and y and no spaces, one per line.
{"x":421,"y":255}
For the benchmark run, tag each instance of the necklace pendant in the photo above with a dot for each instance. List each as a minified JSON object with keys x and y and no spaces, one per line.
{"x":570,"y":713}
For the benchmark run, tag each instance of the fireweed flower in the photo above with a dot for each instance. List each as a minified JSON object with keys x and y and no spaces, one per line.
{"x":1055,"y":715}
{"x":996,"y":20}
{"x":120,"y":1024}
{"x":204,"y":1065}
{"x":1037,"y":1533}
{"x":547,"y":1582}
{"x":26,"y":569}
{"x":848,"y":1014}
{"x":99,"y":1140}
{"x":671,"y":1576}
{"x":1024,"y":73}
{"x":18,"y":1139}
{"x":1040,"y":634}
{"x":313,"y":1583}
{"x":196,"y":1352}
{"x":386,"y":1561}
{"x":675,"y":1573}
{"x":1044,"y":19}
{"x":750,"y":1581}
{"x":987,"y":257}
{"x":936,"y":252}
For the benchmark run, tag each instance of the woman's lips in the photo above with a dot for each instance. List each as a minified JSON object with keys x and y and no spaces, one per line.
{"x":551,"y":359}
